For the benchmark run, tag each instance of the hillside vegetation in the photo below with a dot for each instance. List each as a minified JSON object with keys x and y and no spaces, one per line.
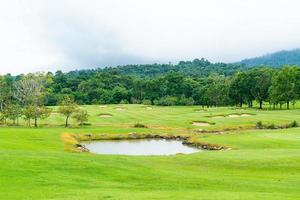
{"x":276,"y":59}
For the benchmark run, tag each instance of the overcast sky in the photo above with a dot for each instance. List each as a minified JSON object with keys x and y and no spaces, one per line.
{"x":42,"y":35}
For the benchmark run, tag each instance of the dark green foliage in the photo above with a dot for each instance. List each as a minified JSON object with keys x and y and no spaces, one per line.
{"x":197,"y":82}
{"x":197,"y":67}
{"x":293,"y":124}
{"x":259,"y":125}
{"x":139,"y":125}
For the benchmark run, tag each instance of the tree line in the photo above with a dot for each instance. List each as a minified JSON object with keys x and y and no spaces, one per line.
{"x":29,"y":96}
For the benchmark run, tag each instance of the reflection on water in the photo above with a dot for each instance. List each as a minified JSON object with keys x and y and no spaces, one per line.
{"x":139,"y":147}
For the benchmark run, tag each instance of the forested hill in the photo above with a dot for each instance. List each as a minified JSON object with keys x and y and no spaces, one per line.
{"x":276,"y":59}
{"x":197,"y":67}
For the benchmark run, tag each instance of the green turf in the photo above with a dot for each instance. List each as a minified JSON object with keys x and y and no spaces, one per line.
{"x":264,"y":164}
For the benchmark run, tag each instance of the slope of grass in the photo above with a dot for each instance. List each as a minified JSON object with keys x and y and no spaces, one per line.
{"x":265,"y":164}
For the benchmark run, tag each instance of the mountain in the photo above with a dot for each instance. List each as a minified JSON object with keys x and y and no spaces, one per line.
{"x":277,"y":59}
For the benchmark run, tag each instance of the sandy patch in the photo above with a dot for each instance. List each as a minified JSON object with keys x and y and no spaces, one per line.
{"x":149,"y":108}
{"x":245,"y":115}
{"x":120,"y":108}
{"x":105,"y":116}
{"x":201,"y":124}
{"x":218,"y":117}
{"x":102,"y":106}
{"x":233,"y":116}
{"x":200,"y":110}
{"x":239,"y":115}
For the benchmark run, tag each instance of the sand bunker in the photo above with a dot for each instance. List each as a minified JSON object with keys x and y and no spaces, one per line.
{"x":200,"y":110}
{"x":102,"y":106}
{"x":245,"y":115}
{"x":201,"y":124}
{"x":233,"y":116}
{"x":120,"y":108}
{"x":218,"y":117}
{"x":105,"y":115}
{"x":238,"y":115}
{"x":149,"y":108}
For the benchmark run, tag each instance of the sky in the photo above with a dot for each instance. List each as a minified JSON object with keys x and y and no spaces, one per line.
{"x":50,"y":35}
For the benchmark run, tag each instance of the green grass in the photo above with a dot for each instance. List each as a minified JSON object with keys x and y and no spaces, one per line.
{"x":264,"y":164}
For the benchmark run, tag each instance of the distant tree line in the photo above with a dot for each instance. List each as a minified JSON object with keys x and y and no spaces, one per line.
{"x":28,"y":96}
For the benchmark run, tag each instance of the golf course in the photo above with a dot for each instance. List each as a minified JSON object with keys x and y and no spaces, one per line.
{"x":259,"y":163}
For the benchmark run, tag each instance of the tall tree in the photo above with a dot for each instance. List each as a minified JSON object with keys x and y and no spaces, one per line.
{"x":30,"y":91}
{"x":283,"y":87}
{"x":262,"y":78}
{"x":67,"y":108}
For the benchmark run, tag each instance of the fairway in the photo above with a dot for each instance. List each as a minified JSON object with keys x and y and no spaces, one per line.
{"x":262,"y":164}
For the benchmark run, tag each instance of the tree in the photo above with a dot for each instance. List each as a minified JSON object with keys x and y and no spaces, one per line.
{"x":283,"y":87}
{"x":35,"y":113}
{"x":30,"y":91}
{"x":237,"y":88}
{"x":28,"y":113}
{"x":12,"y":111}
{"x":81,"y":116}
{"x":67,"y":108}
{"x":262,"y":78}
{"x":5,"y":90}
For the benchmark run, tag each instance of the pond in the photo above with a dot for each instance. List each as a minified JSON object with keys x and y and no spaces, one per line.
{"x":139,"y":147}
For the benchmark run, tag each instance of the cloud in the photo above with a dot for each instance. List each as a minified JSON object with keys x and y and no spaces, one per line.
{"x":66,"y":34}
{"x":87,"y":46}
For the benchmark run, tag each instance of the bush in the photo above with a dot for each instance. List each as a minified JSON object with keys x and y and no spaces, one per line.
{"x":139,"y":125}
{"x":293,"y":124}
{"x":81,"y":116}
{"x":186,"y":101}
{"x":135,"y":101}
{"x":271,"y":126}
{"x":167,"y":101}
{"x":146,"y":102}
{"x":259,"y":125}
{"x":124,"y":101}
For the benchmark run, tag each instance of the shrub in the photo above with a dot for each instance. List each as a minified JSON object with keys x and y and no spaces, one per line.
{"x":146,"y":102}
{"x":124,"y":101}
{"x":271,"y":126}
{"x":135,"y":101}
{"x":139,"y":125}
{"x":167,"y":101}
{"x":259,"y":125}
{"x":186,"y":101}
{"x":81,"y":116}
{"x":293,"y":124}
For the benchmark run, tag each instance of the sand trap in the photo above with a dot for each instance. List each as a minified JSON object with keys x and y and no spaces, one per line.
{"x":245,"y":115}
{"x":218,"y":117}
{"x":149,"y":108}
{"x":105,"y":115}
{"x":120,"y":108}
{"x":201,"y":124}
{"x":233,"y":116}
{"x":238,"y":115}
{"x":102,"y":106}
{"x":200,"y":110}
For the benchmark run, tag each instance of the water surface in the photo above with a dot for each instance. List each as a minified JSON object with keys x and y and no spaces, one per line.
{"x":139,"y":147}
